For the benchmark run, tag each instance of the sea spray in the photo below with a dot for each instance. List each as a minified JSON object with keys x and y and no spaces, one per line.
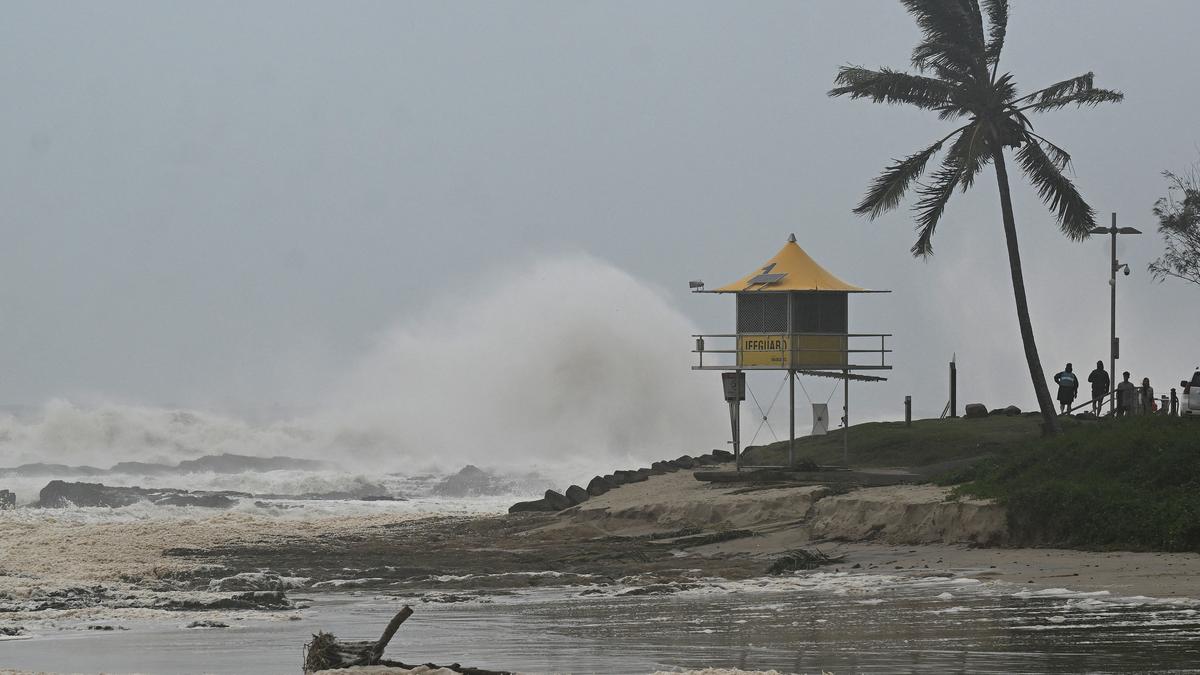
{"x":566,"y":365}
{"x":571,"y":361}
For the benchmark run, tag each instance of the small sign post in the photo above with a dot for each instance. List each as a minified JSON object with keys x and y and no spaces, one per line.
{"x":735,"y":392}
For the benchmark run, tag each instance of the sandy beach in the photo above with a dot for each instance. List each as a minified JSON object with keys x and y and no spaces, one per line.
{"x":649,"y":528}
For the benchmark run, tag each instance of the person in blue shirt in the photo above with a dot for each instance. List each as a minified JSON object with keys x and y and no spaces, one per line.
{"x":1068,"y":388}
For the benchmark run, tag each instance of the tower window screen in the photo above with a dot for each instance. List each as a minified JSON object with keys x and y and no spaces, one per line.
{"x":819,"y":312}
{"x":762,"y":312}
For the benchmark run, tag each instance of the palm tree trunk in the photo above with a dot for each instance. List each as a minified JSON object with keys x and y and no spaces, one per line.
{"x":1050,"y":424}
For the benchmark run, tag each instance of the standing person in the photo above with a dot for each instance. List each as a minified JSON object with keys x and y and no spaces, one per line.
{"x":1126,"y":395}
{"x":1174,"y":409}
{"x":1100,"y":382}
{"x":1147,"y":397}
{"x":1068,"y":388}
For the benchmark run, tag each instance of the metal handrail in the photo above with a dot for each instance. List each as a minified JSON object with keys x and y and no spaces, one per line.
{"x":796,"y":338}
{"x":784,"y":332}
{"x":798,"y":349}
{"x":1088,"y":403}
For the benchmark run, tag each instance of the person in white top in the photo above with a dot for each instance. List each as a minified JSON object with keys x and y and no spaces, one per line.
{"x":1126,"y":395}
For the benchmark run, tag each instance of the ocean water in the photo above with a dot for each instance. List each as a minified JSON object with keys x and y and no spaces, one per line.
{"x":839,"y":623}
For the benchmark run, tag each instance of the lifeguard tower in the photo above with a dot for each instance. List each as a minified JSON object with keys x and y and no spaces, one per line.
{"x":792,"y":315}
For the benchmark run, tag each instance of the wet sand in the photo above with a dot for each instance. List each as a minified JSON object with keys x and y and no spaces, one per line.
{"x":647,"y":529}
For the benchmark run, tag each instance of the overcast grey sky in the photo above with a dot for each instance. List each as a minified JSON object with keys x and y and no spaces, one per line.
{"x":226,"y":203}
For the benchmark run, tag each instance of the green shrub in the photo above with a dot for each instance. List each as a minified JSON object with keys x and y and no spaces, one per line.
{"x":1130,"y":483}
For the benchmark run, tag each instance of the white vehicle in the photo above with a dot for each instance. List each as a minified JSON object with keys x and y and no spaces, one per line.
{"x":1189,"y":399}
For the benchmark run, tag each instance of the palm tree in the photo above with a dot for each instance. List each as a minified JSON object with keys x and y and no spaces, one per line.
{"x":958,"y":77}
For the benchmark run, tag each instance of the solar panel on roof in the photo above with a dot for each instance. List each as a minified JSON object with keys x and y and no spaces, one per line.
{"x":768,"y":278}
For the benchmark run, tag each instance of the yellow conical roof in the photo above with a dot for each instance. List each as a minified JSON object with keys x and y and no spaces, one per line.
{"x":790,"y":270}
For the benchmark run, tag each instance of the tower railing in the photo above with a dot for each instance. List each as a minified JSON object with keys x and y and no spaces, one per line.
{"x":807,"y":350}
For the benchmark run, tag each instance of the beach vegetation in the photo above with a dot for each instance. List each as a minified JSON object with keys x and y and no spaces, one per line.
{"x":1130,"y":483}
{"x":1179,"y":224}
{"x":893,"y":444}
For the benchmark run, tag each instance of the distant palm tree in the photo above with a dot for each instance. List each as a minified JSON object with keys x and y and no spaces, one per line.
{"x":958,"y":62}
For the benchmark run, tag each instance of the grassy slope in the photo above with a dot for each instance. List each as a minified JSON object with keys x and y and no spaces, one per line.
{"x":1108,"y":484}
{"x":1132,"y":483}
{"x":891,"y":444}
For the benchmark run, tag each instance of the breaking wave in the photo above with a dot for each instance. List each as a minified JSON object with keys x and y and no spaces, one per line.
{"x":568,"y":365}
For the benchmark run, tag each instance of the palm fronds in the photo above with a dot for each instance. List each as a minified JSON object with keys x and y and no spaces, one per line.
{"x":933,"y":200}
{"x":1074,"y":85}
{"x":1091,"y":97}
{"x":961,"y":42}
{"x":890,"y":86}
{"x":887,"y":190}
{"x":952,"y":39}
{"x":997,"y":12}
{"x":1074,"y":215}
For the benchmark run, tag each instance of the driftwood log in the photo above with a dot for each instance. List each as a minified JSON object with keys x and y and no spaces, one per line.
{"x":326,"y":652}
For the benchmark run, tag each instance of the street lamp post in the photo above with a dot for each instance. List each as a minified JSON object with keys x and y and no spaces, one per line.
{"x":1112,"y":284}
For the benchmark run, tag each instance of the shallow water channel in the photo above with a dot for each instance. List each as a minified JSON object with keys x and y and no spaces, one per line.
{"x":833,"y":622}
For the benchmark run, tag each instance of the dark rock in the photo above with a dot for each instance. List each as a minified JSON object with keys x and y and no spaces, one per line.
{"x":657,"y":469}
{"x":11,"y":631}
{"x":665,"y":467}
{"x":249,"y":600}
{"x":1012,"y":411}
{"x":685,"y":462}
{"x":598,"y":486}
{"x":59,"y":494}
{"x":208,"y":623}
{"x":722,"y":455}
{"x":975,"y":411}
{"x":535,"y":505}
{"x":615,"y":478}
{"x":141,"y":468}
{"x":227,"y":463}
{"x":644,"y":473}
{"x":996,"y":411}
{"x":557,"y":500}
{"x":43,"y":469}
{"x":8,"y":499}
{"x":707,"y":460}
{"x":577,"y":495}
{"x":630,"y":476}
{"x":470,"y":481}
